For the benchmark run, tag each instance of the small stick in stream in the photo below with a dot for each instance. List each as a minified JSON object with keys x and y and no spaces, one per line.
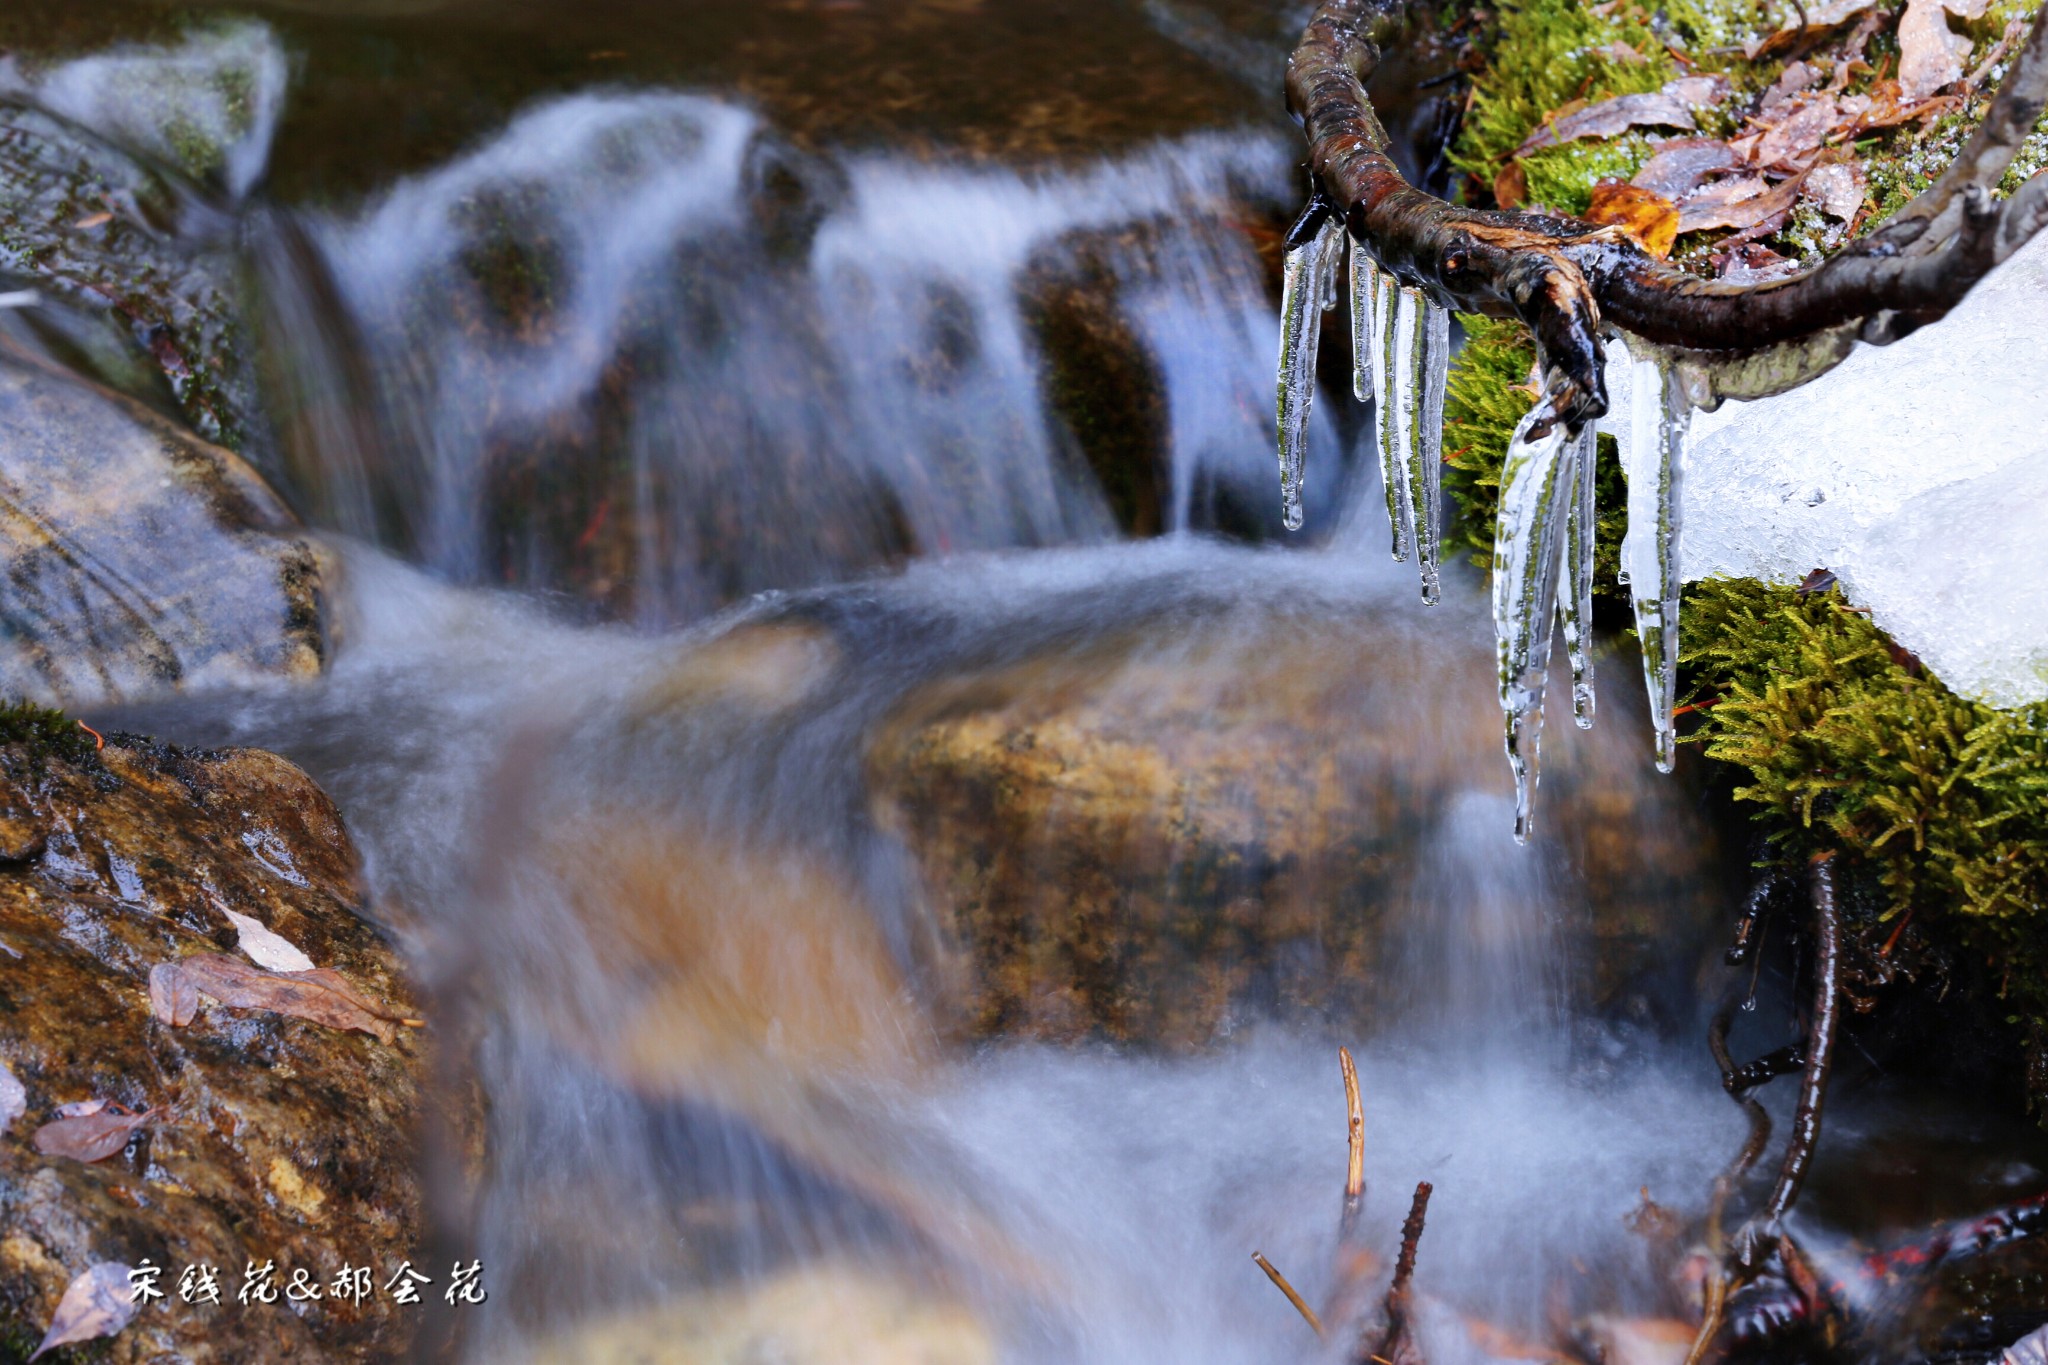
{"x":1716,"y":1296}
{"x":1280,"y":1283}
{"x":1395,"y":1344}
{"x":1354,"y":1173}
{"x":1820,"y":1046}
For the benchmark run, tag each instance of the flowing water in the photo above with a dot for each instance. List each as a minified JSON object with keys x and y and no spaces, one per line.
{"x":681,"y":466}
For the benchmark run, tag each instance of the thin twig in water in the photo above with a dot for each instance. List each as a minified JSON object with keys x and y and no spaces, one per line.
{"x":1820,"y":1048}
{"x":1354,"y":1173}
{"x":1724,"y":1184}
{"x":1280,"y":1283}
{"x":1396,"y":1336}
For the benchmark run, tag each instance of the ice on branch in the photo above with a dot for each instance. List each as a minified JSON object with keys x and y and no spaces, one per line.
{"x":1653,"y":460}
{"x":1365,"y":280}
{"x":1310,"y":288}
{"x":1535,"y":492}
{"x":1575,"y":592}
{"x":1393,"y":473}
{"x":1422,"y":355}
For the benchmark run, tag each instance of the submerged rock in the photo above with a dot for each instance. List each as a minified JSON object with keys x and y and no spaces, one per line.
{"x":811,"y":1315}
{"x":139,"y":560}
{"x":1159,"y":844}
{"x":272,"y":1139}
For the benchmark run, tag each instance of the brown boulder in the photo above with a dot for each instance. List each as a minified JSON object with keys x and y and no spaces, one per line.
{"x":1161,"y":842}
{"x":277,"y":1139}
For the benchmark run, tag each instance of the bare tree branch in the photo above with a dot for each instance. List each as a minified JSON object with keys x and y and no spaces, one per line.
{"x":1568,"y":280}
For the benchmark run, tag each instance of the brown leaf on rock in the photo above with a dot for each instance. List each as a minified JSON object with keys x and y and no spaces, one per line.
{"x":1670,"y":107}
{"x":1930,"y":55}
{"x":13,"y":1098}
{"x":261,"y":946}
{"x":173,"y":999}
{"x":95,"y":1304}
{"x":78,"y":1109}
{"x":91,"y":1137}
{"x":1648,"y":217}
{"x":321,"y":995}
{"x":1681,"y":164}
{"x":1838,"y":188}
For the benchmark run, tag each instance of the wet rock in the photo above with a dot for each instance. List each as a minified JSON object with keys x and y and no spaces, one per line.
{"x":810,"y":1315}
{"x":1164,"y":842}
{"x":137,"y":559}
{"x":134,"y":270}
{"x":278,"y":1140}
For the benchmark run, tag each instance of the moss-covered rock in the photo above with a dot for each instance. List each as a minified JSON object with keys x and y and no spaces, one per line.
{"x":103,"y":236}
{"x":1939,"y":804}
{"x":279,"y":1139}
{"x":139,"y":560}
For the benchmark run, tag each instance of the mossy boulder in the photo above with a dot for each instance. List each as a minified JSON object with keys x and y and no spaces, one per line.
{"x":139,"y":560}
{"x":279,"y":1139}
{"x":1158,"y":845}
{"x":135,"y":271}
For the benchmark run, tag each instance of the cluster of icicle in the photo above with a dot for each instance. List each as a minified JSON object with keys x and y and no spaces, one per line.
{"x":1543,"y":541}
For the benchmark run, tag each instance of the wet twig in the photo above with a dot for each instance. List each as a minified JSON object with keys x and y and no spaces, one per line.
{"x":1354,"y":1171}
{"x":1280,"y":1283}
{"x":1396,"y":1345}
{"x":1820,"y":1046}
{"x":1569,"y":280}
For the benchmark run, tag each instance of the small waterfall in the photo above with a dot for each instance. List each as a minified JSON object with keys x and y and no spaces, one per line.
{"x":638,"y":349}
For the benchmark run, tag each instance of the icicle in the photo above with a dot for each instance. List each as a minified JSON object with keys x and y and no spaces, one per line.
{"x":1386,"y":353}
{"x":1575,"y":574}
{"x":1423,"y":347}
{"x":1365,"y":275}
{"x":1536,"y":491}
{"x":1654,"y":460}
{"x":1310,"y":288}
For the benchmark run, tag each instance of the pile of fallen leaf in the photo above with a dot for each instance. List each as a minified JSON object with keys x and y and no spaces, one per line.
{"x":1716,"y":201}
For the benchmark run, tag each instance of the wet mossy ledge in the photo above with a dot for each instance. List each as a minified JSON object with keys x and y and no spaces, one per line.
{"x":1833,"y":737}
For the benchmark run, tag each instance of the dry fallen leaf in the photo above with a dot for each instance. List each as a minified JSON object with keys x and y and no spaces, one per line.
{"x":1681,"y":163}
{"x":93,"y":220}
{"x":1792,"y":135}
{"x":1820,"y":20}
{"x":1721,"y":204}
{"x":13,"y":1098}
{"x":1648,"y":217}
{"x":1511,"y":186}
{"x":173,"y":999}
{"x":1838,"y":188}
{"x":1930,"y":56}
{"x":1610,"y":118}
{"x":1752,"y":263}
{"x":96,"y":1304}
{"x":321,"y":995}
{"x":78,"y":1109}
{"x":91,"y":1137}
{"x":263,"y":947}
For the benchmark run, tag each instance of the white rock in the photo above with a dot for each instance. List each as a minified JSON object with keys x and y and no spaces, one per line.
{"x":1918,"y":472}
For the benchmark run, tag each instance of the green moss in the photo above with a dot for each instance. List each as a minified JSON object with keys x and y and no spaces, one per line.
{"x":45,"y":733}
{"x":1563,"y":177}
{"x":1485,"y":398}
{"x":1938,"y":802}
{"x":1546,"y":54}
